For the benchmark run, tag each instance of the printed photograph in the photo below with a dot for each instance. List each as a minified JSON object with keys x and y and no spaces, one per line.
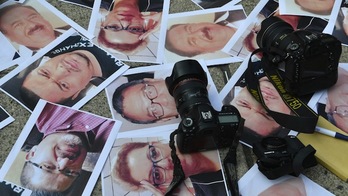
{"x":70,"y":73}
{"x":333,"y":102}
{"x":201,"y":34}
{"x":141,"y":100}
{"x":255,"y":183}
{"x":132,"y":30}
{"x":142,"y":165}
{"x":258,"y":123}
{"x":61,"y":151}
{"x":34,"y":24}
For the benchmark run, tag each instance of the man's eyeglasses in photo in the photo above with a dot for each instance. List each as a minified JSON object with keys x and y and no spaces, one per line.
{"x":136,"y":29}
{"x":156,"y":108}
{"x":158,"y":173}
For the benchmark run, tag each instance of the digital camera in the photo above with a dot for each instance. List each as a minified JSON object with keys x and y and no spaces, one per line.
{"x":308,"y":60}
{"x":202,"y":127}
{"x":280,"y":156}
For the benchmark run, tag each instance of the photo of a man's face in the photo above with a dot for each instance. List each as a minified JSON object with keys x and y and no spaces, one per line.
{"x":131,"y":30}
{"x":62,"y":146}
{"x":201,"y":34}
{"x":143,"y":165}
{"x":67,"y":74}
{"x":30,"y":24}
{"x":141,"y":99}
{"x":26,"y":26}
{"x":62,"y":76}
{"x":258,"y":123}
{"x":148,"y":101}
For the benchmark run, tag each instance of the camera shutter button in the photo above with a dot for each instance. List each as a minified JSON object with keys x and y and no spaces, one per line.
{"x":294,"y":46}
{"x":187,"y":122}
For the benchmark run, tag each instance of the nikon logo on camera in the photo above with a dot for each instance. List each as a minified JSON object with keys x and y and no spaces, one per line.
{"x":207,"y":115}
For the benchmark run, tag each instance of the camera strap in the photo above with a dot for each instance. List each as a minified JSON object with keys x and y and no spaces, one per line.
{"x":304,"y":119}
{"x":178,"y":172}
{"x":229,"y":163}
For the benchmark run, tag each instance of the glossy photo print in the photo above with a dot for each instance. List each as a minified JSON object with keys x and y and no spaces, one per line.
{"x":258,"y":123}
{"x":33,"y":24}
{"x":69,"y":73}
{"x":141,"y":100}
{"x":60,"y":151}
{"x":201,"y":34}
{"x":150,"y":168}
{"x":132,"y":30}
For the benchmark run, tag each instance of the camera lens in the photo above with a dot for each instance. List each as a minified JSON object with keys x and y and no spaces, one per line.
{"x":274,"y":143}
{"x":188,"y":85}
{"x":272,"y":29}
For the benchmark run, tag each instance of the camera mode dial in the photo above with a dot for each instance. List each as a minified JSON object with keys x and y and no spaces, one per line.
{"x":187,"y":122}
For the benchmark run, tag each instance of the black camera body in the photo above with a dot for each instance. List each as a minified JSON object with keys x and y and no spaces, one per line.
{"x":309,"y":60}
{"x":202,"y":127}
{"x":280,"y":156}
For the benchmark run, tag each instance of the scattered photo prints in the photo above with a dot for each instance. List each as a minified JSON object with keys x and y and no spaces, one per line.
{"x":255,"y":183}
{"x":69,"y":73}
{"x":136,"y":42}
{"x":60,"y":151}
{"x":201,"y":34}
{"x":150,"y":169}
{"x":326,"y":10}
{"x":258,"y":124}
{"x":141,"y":100}
{"x":245,"y":40}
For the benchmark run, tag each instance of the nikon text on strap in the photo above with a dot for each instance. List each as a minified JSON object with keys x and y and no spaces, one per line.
{"x":304,"y":119}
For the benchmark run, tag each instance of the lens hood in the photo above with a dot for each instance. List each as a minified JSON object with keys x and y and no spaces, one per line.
{"x":183,"y":70}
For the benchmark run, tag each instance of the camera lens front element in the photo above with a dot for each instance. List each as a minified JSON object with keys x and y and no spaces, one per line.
{"x":272,"y":29}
